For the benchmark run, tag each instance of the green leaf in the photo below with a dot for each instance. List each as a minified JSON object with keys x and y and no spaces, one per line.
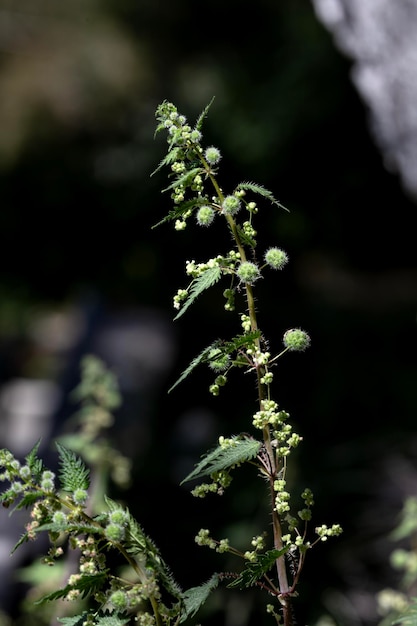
{"x":170,"y":157}
{"x":73,"y":472}
{"x":7,"y":497}
{"x":195,"y":597}
{"x":259,"y":189}
{"x":87,"y":584}
{"x":69,"y":527}
{"x":34,"y":463}
{"x":241,"y":340}
{"x":179,"y":210}
{"x":28,"y":499}
{"x":23,"y":539}
{"x":112,"y":620}
{"x":101,"y":619}
{"x":185,"y":179}
{"x":136,"y":541}
{"x":227,"y":347}
{"x":203,"y":115}
{"x":206,"y":280}
{"x":153,"y":559}
{"x":254,"y":570}
{"x":243,"y":449}
{"x":139,"y":544}
{"x":196,"y":361}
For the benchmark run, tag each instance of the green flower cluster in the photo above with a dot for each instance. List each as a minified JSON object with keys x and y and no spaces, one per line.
{"x":60,"y":510}
{"x":193,"y":169}
{"x":324,"y":532}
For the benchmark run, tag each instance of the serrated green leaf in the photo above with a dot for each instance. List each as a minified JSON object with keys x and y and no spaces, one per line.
{"x":196,"y":361}
{"x":179,"y":210}
{"x":254,"y":570}
{"x":87,"y":584}
{"x":260,"y":190}
{"x":138,"y":544}
{"x":203,"y":115}
{"x":23,"y":539}
{"x":33,"y":462}
{"x":28,"y":499}
{"x":221,"y":458}
{"x":241,"y":340}
{"x":170,"y":157}
{"x":73,"y":472}
{"x":111,"y":620}
{"x":8,"y":496}
{"x":206,"y":280}
{"x":69,"y":527}
{"x":137,"y":538}
{"x":100,"y":619}
{"x":227,"y":347}
{"x":195,"y":597}
{"x":185,"y":179}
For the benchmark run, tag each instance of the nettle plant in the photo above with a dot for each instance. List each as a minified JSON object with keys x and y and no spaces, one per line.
{"x":144,"y":590}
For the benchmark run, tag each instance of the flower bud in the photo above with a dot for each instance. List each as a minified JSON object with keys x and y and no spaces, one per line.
{"x":296,"y":340}
{"x":80,"y":496}
{"x":205,"y":216}
{"x":248,"y":272}
{"x":276,"y":258}
{"x":118,"y":517}
{"x":217,"y":360}
{"x":115,"y":532}
{"x":231,"y":205}
{"x":59,"y":517}
{"x":195,"y":135}
{"x":119,"y":600}
{"x":212,"y":155}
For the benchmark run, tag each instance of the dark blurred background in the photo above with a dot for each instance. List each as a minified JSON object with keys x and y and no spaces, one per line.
{"x":81,"y":269}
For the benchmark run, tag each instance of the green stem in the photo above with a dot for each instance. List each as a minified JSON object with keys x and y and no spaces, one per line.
{"x":143,"y":579}
{"x":262,"y":395}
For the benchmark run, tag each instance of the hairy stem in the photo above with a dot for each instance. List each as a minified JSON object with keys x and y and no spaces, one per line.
{"x":141,"y":573}
{"x":262,"y":395}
